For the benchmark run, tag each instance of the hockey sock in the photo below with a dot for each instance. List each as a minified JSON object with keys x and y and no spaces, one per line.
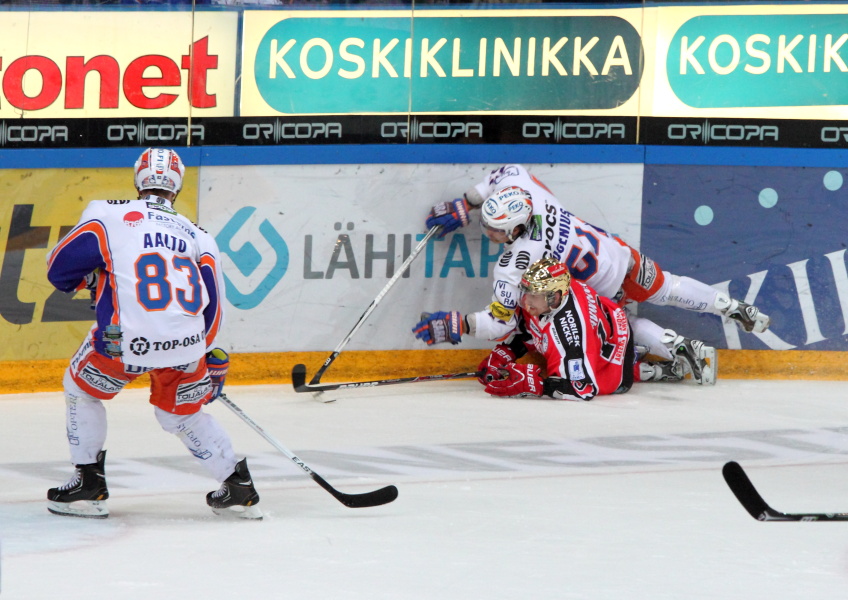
{"x":686,"y":293}
{"x":205,"y":439}
{"x":85,"y":421}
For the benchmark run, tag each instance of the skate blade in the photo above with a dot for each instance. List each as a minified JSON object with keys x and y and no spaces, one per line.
{"x":239,"y":512}
{"x":709,"y":371}
{"x":761,"y":323}
{"x":708,"y":376}
{"x":322,"y":397}
{"x":87,"y":509}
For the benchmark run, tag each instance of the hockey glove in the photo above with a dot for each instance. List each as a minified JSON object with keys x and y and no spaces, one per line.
{"x":491,"y":366}
{"x":450,"y":215}
{"x":217,"y":365}
{"x":439,"y":327}
{"x":522,"y":380}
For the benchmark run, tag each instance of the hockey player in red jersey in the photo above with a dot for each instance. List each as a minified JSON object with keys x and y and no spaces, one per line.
{"x":156,"y":281}
{"x":585,"y":340}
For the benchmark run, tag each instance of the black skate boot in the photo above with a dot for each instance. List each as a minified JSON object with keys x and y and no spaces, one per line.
{"x":747,"y":317}
{"x":84,"y":494}
{"x":663,"y":371}
{"x":700,"y":360}
{"x":236,"y":497}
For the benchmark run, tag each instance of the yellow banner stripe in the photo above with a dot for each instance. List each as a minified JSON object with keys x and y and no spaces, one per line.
{"x":275,"y":368}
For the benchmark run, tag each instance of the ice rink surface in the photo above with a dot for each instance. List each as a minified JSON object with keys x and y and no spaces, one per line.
{"x":619,"y":498}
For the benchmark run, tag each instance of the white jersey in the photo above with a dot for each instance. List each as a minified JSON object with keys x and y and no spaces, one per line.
{"x":159,"y":284}
{"x":593,"y":256}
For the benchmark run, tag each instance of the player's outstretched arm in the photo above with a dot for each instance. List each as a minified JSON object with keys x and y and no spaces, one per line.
{"x":439,"y":327}
{"x":449,"y":215}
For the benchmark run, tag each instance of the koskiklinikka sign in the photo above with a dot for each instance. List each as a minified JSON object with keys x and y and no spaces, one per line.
{"x":366,"y":64}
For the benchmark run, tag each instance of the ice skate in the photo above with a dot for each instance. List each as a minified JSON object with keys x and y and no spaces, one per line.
{"x":700,"y":360}
{"x":747,"y":317}
{"x":236,"y":497}
{"x":84,"y":494}
{"x":671,"y":370}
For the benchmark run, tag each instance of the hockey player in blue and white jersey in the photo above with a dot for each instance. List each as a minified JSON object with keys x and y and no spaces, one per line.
{"x":157,"y":283}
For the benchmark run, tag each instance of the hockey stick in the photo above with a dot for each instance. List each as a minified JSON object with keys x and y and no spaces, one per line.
{"x":300,"y":385}
{"x":317,"y":377}
{"x":375,"y":498}
{"x":750,"y":498}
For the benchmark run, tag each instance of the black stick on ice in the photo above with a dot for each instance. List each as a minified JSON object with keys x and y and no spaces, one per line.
{"x":750,"y":498}
{"x":375,"y":498}
{"x":300,"y":385}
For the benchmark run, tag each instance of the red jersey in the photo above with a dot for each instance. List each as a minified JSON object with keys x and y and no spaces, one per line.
{"x":585,"y":343}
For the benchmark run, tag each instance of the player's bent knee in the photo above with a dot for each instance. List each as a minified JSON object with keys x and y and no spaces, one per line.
{"x":172,"y":423}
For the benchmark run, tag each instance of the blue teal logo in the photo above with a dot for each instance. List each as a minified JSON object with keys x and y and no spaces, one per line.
{"x":248,"y":258}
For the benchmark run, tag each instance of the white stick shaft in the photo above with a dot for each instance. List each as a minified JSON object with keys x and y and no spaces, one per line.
{"x":268,"y":437}
{"x":433,"y":231}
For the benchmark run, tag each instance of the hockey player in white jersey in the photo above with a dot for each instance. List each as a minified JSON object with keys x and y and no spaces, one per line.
{"x":520,"y":211}
{"x":157,"y":284}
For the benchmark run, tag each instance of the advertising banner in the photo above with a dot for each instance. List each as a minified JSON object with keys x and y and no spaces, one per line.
{"x":695,"y":75}
{"x":786,"y":61}
{"x":772,"y":236}
{"x":105,"y":64}
{"x":306,"y":249}
{"x":439,"y":62}
{"x":764,"y":75}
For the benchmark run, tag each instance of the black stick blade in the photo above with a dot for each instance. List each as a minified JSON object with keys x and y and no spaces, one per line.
{"x":368,"y":499}
{"x":750,"y":498}
{"x":299,"y":378}
{"x":746,"y":493}
{"x":376,"y":498}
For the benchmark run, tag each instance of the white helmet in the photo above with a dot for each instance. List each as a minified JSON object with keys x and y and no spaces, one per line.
{"x":506,"y":209}
{"x":159,"y":169}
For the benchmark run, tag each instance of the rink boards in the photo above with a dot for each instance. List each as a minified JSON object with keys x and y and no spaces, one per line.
{"x":307,"y":247}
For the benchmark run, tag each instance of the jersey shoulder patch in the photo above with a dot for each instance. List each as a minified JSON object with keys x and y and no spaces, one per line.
{"x":575,"y":370}
{"x":501,"y":312}
{"x":498,"y":175}
{"x":162,"y":207}
{"x":534,"y":231}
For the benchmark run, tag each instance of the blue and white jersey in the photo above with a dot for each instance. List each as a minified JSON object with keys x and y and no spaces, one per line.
{"x":593,"y":256}
{"x":159,"y":284}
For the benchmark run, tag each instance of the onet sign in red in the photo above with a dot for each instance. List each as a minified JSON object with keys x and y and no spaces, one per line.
{"x":147,"y":71}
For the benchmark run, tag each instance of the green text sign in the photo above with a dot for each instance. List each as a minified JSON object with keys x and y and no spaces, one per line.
{"x":760,"y":60}
{"x":443,"y":64}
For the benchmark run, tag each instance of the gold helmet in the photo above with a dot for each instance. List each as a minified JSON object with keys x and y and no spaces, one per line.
{"x":546,"y":276}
